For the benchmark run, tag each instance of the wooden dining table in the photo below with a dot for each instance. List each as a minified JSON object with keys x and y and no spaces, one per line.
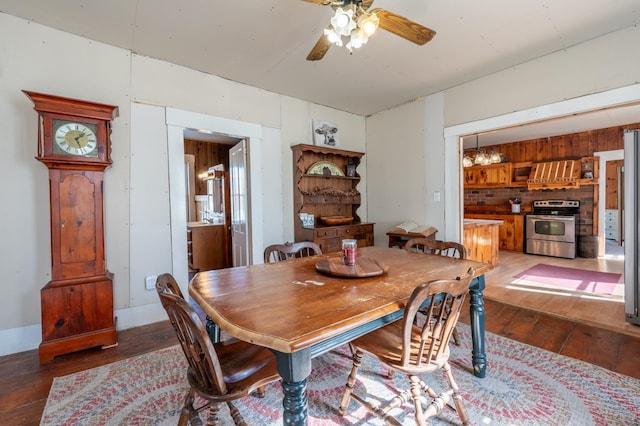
{"x":299,"y":313}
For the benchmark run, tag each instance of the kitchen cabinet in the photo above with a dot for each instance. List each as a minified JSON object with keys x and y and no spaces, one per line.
{"x":480,"y":239}
{"x":325,"y":184}
{"x":206,"y":248}
{"x":556,"y":174}
{"x":492,"y":175}
{"x":510,"y":231}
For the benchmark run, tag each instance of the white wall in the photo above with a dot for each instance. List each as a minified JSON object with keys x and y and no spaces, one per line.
{"x":396,"y":168}
{"x":592,"y":75}
{"x":138,"y":208}
{"x":602,"y":64}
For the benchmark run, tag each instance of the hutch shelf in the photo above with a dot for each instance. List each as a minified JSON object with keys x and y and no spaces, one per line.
{"x":324,"y":185}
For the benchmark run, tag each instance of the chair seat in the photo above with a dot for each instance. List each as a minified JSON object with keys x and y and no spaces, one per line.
{"x":386,"y":345}
{"x":240,"y":360}
{"x":245,"y":368}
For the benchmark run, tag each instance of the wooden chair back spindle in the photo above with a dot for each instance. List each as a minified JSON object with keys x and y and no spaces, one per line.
{"x":441,"y":302}
{"x":287,"y":251}
{"x":442,"y":248}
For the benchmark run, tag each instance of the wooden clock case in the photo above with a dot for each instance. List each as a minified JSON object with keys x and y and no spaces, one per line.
{"x":77,"y":304}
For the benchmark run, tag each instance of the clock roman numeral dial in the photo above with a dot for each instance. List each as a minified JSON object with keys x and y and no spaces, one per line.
{"x":76,"y":139}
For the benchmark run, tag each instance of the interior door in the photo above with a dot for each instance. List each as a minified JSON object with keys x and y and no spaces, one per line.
{"x":239,"y":204}
{"x":190,"y":185}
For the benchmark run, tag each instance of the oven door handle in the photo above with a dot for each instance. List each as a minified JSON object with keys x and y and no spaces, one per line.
{"x":552,"y":217}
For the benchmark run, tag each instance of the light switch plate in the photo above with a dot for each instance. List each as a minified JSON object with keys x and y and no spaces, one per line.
{"x":150,"y":282}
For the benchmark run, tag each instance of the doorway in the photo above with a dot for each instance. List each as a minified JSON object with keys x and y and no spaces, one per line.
{"x":176,"y":123}
{"x":609,"y":194}
{"x":208,"y":200}
{"x":551,"y":113}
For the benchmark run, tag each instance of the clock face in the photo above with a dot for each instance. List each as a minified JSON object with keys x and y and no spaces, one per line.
{"x":73,"y":138}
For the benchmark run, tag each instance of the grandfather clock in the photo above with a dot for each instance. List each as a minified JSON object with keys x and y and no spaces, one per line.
{"x":77,"y":304}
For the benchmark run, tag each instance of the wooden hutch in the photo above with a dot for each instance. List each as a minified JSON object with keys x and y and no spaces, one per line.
{"x":324,"y":185}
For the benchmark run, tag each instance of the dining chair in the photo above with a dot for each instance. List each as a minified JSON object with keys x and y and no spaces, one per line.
{"x":286,"y":251}
{"x":217,"y":372}
{"x":441,"y":248}
{"x":415,"y":351}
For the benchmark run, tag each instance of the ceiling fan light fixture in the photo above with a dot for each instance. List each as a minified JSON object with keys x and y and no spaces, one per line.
{"x":358,"y":39}
{"x":342,"y":22}
{"x":368,"y":23}
{"x":333,"y":37}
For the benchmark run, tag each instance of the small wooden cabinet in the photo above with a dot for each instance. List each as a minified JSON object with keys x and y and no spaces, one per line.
{"x":325,"y":184}
{"x":206,"y":248}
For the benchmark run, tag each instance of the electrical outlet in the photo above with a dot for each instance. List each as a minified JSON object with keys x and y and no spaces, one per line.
{"x":436,"y":195}
{"x":150,"y":282}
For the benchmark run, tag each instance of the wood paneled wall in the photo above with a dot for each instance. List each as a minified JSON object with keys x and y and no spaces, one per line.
{"x":571,"y":146}
{"x":207,"y":154}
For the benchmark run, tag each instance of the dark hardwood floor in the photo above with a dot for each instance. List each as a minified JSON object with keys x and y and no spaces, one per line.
{"x":26,"y":382}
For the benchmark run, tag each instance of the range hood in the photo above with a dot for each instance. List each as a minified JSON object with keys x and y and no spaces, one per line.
{"x":555,"y":175}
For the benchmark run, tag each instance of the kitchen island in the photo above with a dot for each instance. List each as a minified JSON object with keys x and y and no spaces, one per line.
{"x":481,"y":239}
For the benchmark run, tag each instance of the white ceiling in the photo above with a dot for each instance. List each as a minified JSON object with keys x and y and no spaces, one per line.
{"x":264,"y":43}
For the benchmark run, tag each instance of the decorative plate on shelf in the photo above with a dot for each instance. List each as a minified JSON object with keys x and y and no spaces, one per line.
{"x":336,"y":220}
{"x":325,"y":168}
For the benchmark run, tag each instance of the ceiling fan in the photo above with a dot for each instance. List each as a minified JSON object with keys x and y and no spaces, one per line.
{"x":354,"y":21}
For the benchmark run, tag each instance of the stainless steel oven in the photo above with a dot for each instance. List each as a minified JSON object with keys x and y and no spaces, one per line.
{"x":551,"y":230}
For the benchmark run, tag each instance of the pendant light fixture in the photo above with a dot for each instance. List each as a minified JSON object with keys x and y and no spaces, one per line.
{"x":482,"y":159}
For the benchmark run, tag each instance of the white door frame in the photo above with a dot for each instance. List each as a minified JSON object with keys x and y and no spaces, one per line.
{"x":178,"y":120}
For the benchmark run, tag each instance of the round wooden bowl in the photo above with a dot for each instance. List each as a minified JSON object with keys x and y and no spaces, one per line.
{"x":336,"y":220}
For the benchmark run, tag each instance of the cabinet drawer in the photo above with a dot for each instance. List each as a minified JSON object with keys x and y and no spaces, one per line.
{"x":326,"y":232}
{"x":612,"y":226}
{"x":611,"y":234}
{"x":347,"y":231}
{"x":367,"y":228}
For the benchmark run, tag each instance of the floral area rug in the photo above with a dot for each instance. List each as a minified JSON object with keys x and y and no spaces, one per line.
{"x":524,"y":386}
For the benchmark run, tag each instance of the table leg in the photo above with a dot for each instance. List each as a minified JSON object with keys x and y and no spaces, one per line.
{"x":294,"y":368}
{"x":476,"y":311}
{"x":213,"y":330}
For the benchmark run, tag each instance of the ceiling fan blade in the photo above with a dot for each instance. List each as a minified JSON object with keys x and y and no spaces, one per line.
{"x":322,"y":2}
{"x":366,"y":4}
{"x":404,"y":27}
{"x":319,"y":50}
